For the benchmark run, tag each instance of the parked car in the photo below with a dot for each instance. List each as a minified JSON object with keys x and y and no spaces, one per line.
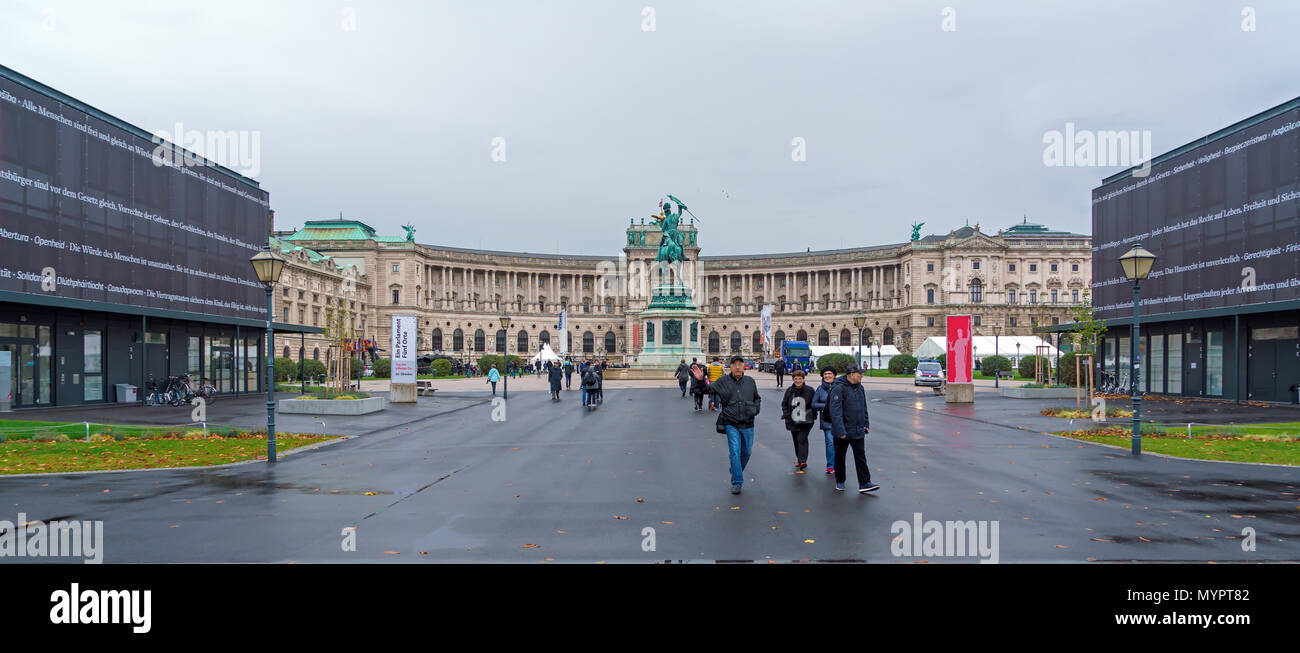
{"x":928,"y":373}
{"x":768,"y":364}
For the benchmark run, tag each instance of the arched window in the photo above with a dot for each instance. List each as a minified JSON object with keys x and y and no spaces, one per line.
{"x":756,"y":342}
{"x":544,"y":338}
{"x":735,"y":342}
{"x":480,"y":340}
{"x":777,"y":340}
{"x":823,"y":337}
{"x":315,"y":354}
{"x":457,"y":340}
{"x":435,"y":340}
{"x":588,"y":343}
{"x":501,"y":341}
{"x":889,"y":336}
{"x":522,"y":346}
{"x":610,"y":342}
{"x":976,"y":291}
{"x":715,"y":342}
{"x":286,"y":351}
{"x":846,"y":338}
{"x":802,"y":336}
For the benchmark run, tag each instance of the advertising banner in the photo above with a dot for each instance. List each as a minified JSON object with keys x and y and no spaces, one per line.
{"x":404,"y":346}
{"x":563,"y":326}
{"x":765,"y":328}
{"x":959,"y":349}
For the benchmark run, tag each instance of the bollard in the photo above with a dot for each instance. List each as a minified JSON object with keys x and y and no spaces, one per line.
{"x":1189,"y":430}
{"x":87,"y":431}
{"x":205,"y":430}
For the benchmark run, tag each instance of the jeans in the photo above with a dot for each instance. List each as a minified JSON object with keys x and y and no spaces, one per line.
{"x":682,"y":384}
{"x":699,"y":400}
{"x":859,"y":460}
{"x":830,"y":447}
{"x":568,"y":380}
{"x":494,"y":388}
{"x":584,"y":393}
{"x":740,"y":443}
{"x":780,"y":378}
{"x":800,"y":435}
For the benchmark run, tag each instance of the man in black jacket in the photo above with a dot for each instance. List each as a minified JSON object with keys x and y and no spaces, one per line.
{"x":799,"y":416}
{"x":850,"y":425}
{"x":779,"y":369}
{"x":740,"y":402}
{"x":683,"y":375}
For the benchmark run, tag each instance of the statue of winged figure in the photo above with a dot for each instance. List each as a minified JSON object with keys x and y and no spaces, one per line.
{"x":916,"y":230}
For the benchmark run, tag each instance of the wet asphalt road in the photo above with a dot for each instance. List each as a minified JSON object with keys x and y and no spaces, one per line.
{"x":554,"y":482}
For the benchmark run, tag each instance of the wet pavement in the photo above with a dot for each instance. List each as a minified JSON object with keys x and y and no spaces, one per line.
{"x":249,"y":412}
{"x":553,"y":482}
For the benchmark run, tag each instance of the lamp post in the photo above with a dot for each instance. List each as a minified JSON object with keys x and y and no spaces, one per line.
{"x":505,"y":357}
{"x":877,"y":352}
{"x":860,"y":321}
{"x":268,"y":266}
{"x":997,"y":367}
{"x":1137,"y":266}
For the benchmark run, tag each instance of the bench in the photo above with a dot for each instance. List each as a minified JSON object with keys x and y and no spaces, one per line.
{"x":424,"y":387}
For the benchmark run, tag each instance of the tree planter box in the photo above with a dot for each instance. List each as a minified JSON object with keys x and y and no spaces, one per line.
{"x":332,"y":406}
{"x":1040,"y":393}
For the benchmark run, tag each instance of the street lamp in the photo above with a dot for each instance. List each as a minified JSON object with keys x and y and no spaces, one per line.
{"x":1137,"y":266}
{"x":268,"y":266}
{"x":860,"y":321}
{"x":997,"y":367}
{"x":505,"y":356}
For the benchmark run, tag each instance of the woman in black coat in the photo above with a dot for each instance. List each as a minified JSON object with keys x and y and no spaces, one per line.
{"x":555,"y":375}
{"x":799,"y":416}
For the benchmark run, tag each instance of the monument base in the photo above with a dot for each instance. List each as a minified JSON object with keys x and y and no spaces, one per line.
{"x":401,"y":393}
{"x":959,"y":393}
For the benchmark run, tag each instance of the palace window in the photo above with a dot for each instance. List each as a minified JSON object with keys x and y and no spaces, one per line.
{"x":976,"y":291}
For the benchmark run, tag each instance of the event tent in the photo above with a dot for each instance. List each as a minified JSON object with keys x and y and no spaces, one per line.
{"x":983,"y":347}
{"x":546,"y":354}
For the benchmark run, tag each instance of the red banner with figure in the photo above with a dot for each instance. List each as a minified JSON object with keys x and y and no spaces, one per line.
{"x":959,"y":349}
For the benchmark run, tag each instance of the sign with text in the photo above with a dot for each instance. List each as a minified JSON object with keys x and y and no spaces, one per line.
{"x":1221,"y":218}
{"x":959,"y":349}
{"x":404,"y":346}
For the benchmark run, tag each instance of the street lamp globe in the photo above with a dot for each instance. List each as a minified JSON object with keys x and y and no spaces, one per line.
{"x":860,"y":321}
{"x":267,"y":265}
{"x":505,"y":321}
{"x":1137,"y":263}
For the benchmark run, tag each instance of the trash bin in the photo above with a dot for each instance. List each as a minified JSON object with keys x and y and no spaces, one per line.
{"x":125,"y":393}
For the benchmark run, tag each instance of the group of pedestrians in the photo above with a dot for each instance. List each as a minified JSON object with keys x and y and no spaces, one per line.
{"x":838,"y":406}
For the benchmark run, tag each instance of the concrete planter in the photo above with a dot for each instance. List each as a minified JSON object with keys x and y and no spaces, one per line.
{"x":1039,"y":393}
{"x":332,"y":406}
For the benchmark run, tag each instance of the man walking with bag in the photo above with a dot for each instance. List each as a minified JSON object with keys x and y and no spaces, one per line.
{"x":850,"y":425}
{"x":740,"y":403}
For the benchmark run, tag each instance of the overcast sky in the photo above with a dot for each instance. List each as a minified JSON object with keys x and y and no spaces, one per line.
{"x":387,"y":111}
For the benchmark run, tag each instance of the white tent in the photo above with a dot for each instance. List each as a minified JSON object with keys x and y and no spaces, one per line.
{"x":873,"y":356}
{"x":983,"y":347}
{"x":546,"y":354}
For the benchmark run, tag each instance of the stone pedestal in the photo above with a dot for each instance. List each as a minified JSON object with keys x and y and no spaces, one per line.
{"x":401,"y":393}
{"x":672,"y":329}
{"x":959,"y":393}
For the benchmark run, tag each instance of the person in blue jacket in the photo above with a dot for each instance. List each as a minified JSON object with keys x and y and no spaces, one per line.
{"x":493,"y":377}
{"x":820,"y":402}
